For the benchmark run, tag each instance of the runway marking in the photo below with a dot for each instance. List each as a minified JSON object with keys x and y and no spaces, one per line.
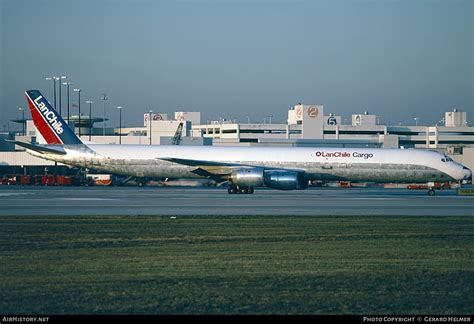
{"x":87,"y":198}
{"x":13,"y":194}
{"x":371,"y":198}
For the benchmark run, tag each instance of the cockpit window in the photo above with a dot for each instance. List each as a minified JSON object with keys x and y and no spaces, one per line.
{"x":447,"y":159}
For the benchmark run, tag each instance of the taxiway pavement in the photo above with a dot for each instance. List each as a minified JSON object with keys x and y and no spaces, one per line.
{"x":179,"y":201}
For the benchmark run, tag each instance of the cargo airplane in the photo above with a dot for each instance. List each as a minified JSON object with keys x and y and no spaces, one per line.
{"x":243,"y":168}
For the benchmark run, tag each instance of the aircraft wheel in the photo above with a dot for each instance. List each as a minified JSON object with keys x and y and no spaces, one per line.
{"x":431,"y":192}
{"x":250,"y":191}
{"x":232,"y":190}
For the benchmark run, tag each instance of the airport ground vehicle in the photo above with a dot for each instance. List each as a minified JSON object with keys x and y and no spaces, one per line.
{"x":435,"y":185}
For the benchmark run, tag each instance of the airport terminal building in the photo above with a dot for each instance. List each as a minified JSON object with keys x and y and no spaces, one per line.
{"x":306,"y":125}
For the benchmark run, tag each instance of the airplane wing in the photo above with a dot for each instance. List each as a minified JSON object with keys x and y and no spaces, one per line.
{"x":217,"y":171}
{"x":39,"y":148}
{"x":220,"y":171}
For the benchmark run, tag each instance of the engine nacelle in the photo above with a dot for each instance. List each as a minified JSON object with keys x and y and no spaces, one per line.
{"x":285,"y":180}
{"x":282,"y":180}
{"x":247,"y":177}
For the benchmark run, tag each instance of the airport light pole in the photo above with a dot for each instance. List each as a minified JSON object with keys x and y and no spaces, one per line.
{"x":120,"y":124}
{"x":79,"y":100}
{"x":149,"y":121}
{"x":90,"y":117}
{"x":416,"y":121}
{"x":67,"y":84}
{"x":54,"y":78}
{"x":22,"y":119}
{"x":60,"y":99}
{"x":104,"y":98}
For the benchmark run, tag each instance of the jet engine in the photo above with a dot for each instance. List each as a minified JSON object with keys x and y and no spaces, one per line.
{"x":282,"y":180}
{"x":247,"y":177}
{"x":285,"y":180}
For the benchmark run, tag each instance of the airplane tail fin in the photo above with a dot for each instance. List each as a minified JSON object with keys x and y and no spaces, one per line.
{"x":48,"y":122}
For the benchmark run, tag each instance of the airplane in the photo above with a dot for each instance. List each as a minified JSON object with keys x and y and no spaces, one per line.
{"x":243,"y":168}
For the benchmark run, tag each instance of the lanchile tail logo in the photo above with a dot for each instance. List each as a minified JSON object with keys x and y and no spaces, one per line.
{"x":50,"y":124}
{"x":49,"y":115}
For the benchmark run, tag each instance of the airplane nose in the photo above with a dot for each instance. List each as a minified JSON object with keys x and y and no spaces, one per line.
{"x":467,"y":174}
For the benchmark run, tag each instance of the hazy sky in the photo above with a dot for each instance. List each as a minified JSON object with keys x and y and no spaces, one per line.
{"x":232,"y":59}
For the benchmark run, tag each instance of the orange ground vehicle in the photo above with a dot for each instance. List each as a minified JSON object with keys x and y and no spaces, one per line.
{"x":345,"y":184}
{"x":434,"y":185}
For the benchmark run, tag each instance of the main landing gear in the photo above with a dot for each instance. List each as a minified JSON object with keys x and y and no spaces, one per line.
{"x":233,"y":189}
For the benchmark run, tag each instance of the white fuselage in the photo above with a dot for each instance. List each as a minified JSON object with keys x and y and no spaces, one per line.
{"x":377,"y":165}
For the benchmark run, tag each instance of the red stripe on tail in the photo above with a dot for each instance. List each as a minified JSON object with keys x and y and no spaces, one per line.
{"x":41,"y":124}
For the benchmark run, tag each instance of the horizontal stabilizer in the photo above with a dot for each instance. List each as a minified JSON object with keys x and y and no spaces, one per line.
{"x":41,"y":149}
